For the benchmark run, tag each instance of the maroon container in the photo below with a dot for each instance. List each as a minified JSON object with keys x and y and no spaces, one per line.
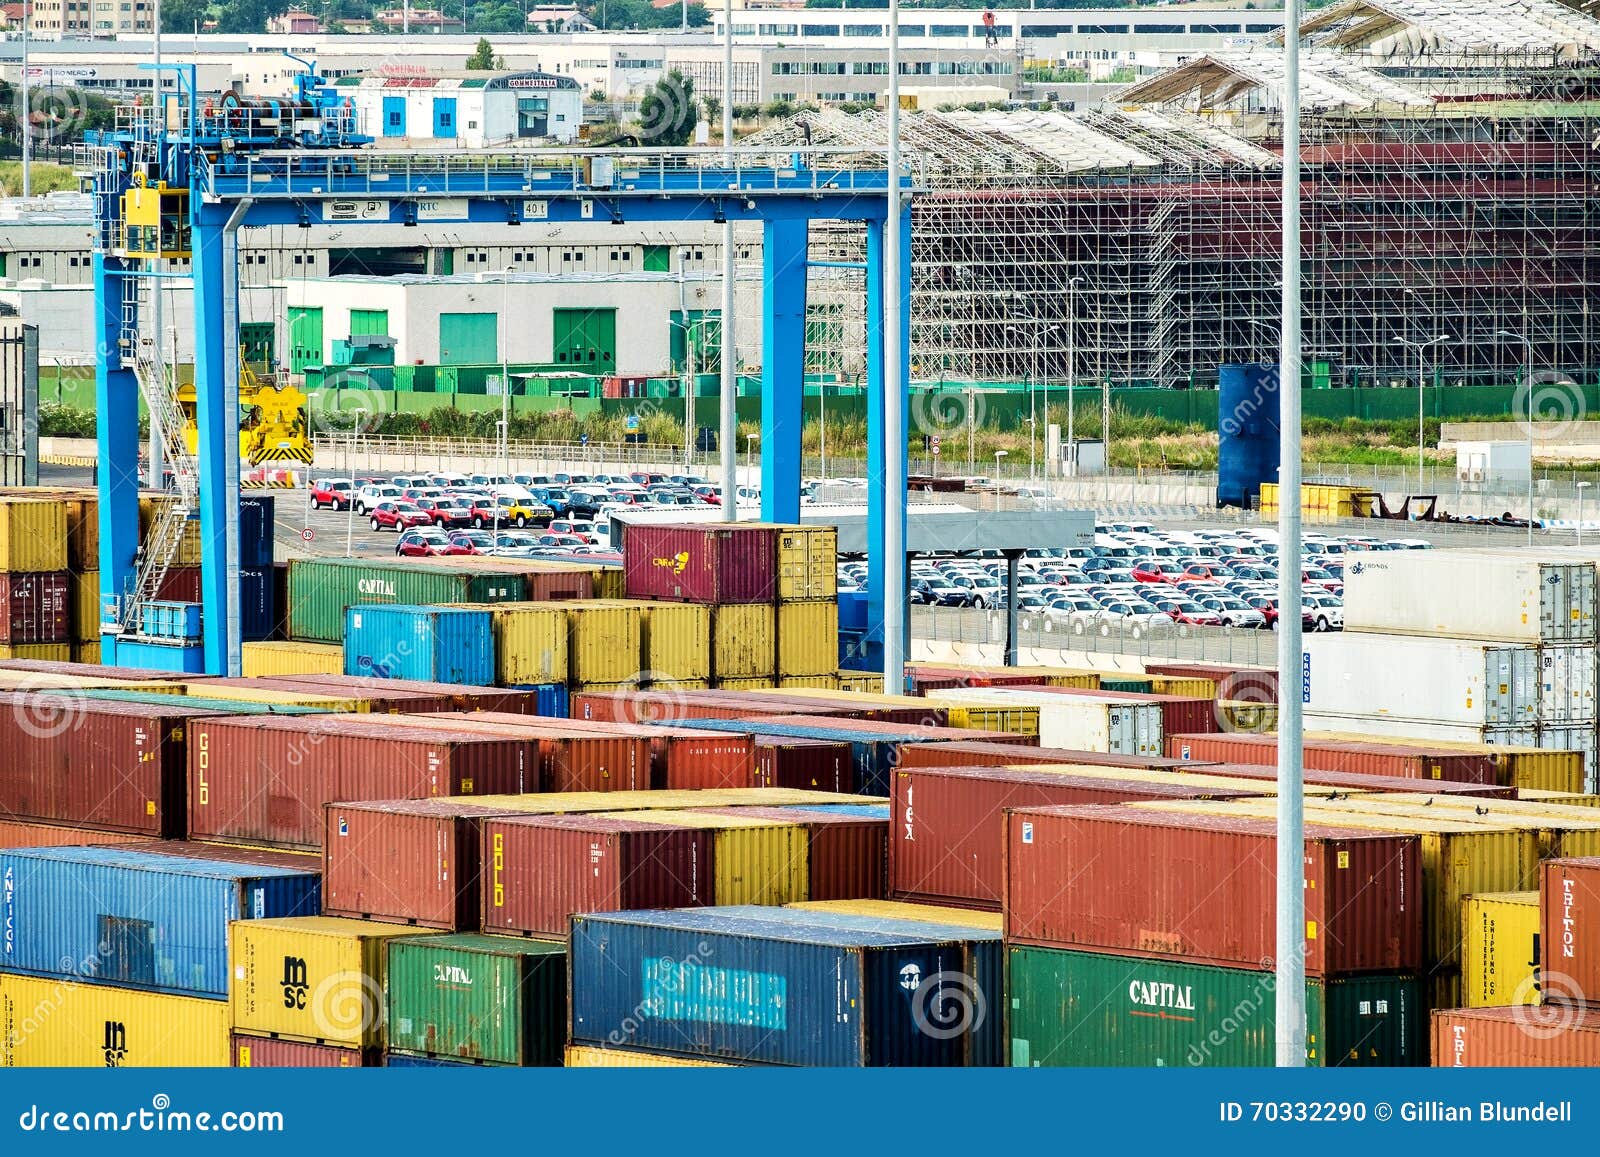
{"x":93,"y":670}
{"x":848,"y":854}
{"x":1179,"y":713}
{"x":1203,"y":889}
{"x":408,"y":861}
{"x":1235,"y":684}
{"x":264,"y":780}
{"x":1355,"y":781}
{"x":236,"y":854}
{"x":181,"y":584}
{"x":924,"y":732}
{"x":1569,"y":912}
{"x":573,"y":756}
{"x":807,"y":764}
{"x":652,"y":706}
{"x":702,"y":563}
{"x":1377,"y":758}
{"x":948,"y":844}
{"x":986,"y":754}
{"x":925,"y":679}
{"x":266,"y":1052}
{"x":26,"y":834}
{"x":448,"y":696}
{"x":94,"y":763}
{"x":35,"y":608}
{"x":539,"y":870}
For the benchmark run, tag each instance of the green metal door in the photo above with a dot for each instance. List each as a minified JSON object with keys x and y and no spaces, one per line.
{"x":255,"y":344}
{"x":467,"y":339}
{"x":586,"y":339}
{"x":305,"y":337}
{"x":365,"y":322}
{"x":702,"y":337}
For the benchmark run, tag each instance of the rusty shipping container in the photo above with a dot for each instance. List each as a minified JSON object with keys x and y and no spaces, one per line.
{"x":264,"y":780}
{"x":267,"y":1052}
{"x":947,"y":838}
{"x":408,"y":861}
{"x":29,"y":834}
{"x":1355,"y":781}
{"x":1569,"y":915}
{"x":968,"y":753}
{"x":539,"y":870}
{"x":1202,"y":889}
{"x":1516,"y":1037}
{"x":809,"y":764}
{"x":919,"y":732}
{"x":34,"y":607}
{"x":95,"y":763}
{"x":849,"y":855}
{"x":702,"y":563}
{"x":573,"y":756}
{"x":1340,"y":755}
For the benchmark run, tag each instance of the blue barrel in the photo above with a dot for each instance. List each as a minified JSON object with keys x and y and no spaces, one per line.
{"x":1247,"y":428}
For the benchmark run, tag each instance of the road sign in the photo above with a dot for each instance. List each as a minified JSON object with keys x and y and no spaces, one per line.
{"x":933,"y":446}
{"x":308,"y":534}
{"x":631,"y":423}
{"x":583,"y":439}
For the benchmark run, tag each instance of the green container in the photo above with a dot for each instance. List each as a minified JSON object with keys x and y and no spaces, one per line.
{"x":403,"y":376}
{"x":444,"y":379}
{"x":321,"y":589}
{"x":490,"y":999}
{"x":1137,"y":684}
{"x":1082,"y":1009}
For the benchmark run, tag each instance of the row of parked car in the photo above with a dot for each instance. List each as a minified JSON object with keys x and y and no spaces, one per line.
{"x":1136,"y":577}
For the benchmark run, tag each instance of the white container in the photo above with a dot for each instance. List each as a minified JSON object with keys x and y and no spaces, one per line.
{"x":1546,"y":596}
{"x":1378,"y":727}
{"x":1080,"y":724}
{"x":1567,"y":685}
{"x":1417,"y":677}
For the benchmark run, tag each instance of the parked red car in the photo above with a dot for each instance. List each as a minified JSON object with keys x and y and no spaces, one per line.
{"x":1153,"y":570}
{"x":447,"y":512}
{"x":425,"y":542}
{"x":398,"y":516}
{"x":331,"y":493}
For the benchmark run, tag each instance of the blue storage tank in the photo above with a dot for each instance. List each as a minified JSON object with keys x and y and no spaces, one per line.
{"x":138,"y":919}
{"x":726,"y":984}
{"x":257,"y":524}
{"x":552,"y":699}
{"x":430,"y":644}
{"x":1247,"y":426}
{"x":163,"y":619}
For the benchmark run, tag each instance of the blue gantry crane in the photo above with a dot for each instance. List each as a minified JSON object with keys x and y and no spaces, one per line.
{"x":176,"y":180}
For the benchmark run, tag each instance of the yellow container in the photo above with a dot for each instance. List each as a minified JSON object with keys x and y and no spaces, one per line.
{"x":808,"y":637}
{"x":604,"y":641}
{"x":1568,"y":798}
{"x":1021,"y":719}
{"x":757,"y":861}
{"x":1500,"y":932}
{"x":744,"y":642}
{"x":45,"y":681}
{"x":86,"y":652}
{"x":531,"y":642}
{"x":866,"y":682}
{"x":899,"y":910}
{"x":604,"y":688}
{"x":1519,"y":767}
{"x":276,"y":698}
{"x":270,"y":659}
{"x":1086,"y":678}
{"x":1179,"y":685}
{"x":33,"y":534}
{"x":571,"y":802}
{"x":676,"y":640}
{"x":1559,"y":830}
{"x":808,"y":561}
{"x":759,"y":683}
{"x":589,"y":1057}
{"x":678,"y":685}
{"x":44,"y":652}
{"x":86,"y":607}
{"x":83,"y":533}
{"x":809,"y":683}
{"x":1198,"y":777}
{"x":312,"y":978}
{"x":51,"y":1023}
{"x":1256,"y":718}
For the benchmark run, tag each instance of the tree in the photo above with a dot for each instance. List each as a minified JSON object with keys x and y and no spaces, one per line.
{"x":482,"y":58}
{"x":668,"y":111}
{"x":182,"y":15}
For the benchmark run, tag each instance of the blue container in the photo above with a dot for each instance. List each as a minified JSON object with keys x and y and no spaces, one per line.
{"x":137,"y":919}
{"x":120,"y":651}
{"x":431,"y":644}
{"x":258,"y":519}
{"x":258,"y":604}
{"x":394,"y":1060}
{"x":725,"y":984}
{"x":853,"y":611}
{"x":1247,"y":425}
{"x":871,"y":811}
{"x":170,"y":620}
{"x":552,"y":699}
{"x":872,"y":757}
{"x":978,"y":1006}
{"x":860,"y":651}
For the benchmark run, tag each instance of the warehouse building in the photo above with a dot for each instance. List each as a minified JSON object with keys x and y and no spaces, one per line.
{"x":467,"y":109}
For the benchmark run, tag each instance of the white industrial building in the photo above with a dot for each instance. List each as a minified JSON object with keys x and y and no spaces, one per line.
{"x":467,"y":109}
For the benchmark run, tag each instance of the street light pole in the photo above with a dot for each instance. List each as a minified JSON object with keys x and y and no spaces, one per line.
{"x":728,"y":441}
{"x":1422,"y":393}
{"x":1582,"y":486}
{"x":1527,"y":353}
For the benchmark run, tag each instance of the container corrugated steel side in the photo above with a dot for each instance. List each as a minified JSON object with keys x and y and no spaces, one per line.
{"x":675,"y":640}
{"x":604,"y":641}
{"x":847,"y":855}
{"x":976,"y":753}
{"x":1179,"y":713}
{"x":731,"y":987}
{"x":808,"y":562}
{"x":1115,"y":724}
{"x":407,"y":861}
{"x":902,"y":910}
{"x":33,"y":534}
{"x":34,"y":607}
{"x":819,"y":764}
{"x":872,"y":753}
{"x":1518,"y":1037}
{"x":753,"y":860}
{"x":26,"y":834}
{"x":321,"y":759}
{"x":132,"y":917}
{"x":702,"y":564}
{"x":1558,"y":830}
{"x":1366,"y":757}
{"x":530,"y":643}
{"x":1233,"y":681}
{"x":574,"y":754}
{"x":265,"y":1052}
{"x":539,"y":870}
{"x":1569,"y":905}
{"x":314,"y":978}
{"x":265,"y":658}
{"x":1103,"y":879}
{"x":808,"y":637}
{"x":1088,"y":1009}
{"x":444,"y":696}
{"x":1418,"y":677}
{"x":437,"y":644}
{"x":1500,"y":957}
{"x":1567,"y":676}
{"x":322,"y":589}
{"x":744,"y":640}
{"x":489,"y":999}
{"x":1518,"y":767}
{"x":98,"y":1026}
{"x":85,"y":599}
{"x":596,"y":1057}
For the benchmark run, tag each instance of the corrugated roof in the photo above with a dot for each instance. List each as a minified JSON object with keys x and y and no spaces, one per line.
{"x":1327,"y":80}
{"x":1474,"y":26}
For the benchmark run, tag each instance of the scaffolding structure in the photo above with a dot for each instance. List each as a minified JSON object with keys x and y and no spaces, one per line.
{"x":1451,"y":201}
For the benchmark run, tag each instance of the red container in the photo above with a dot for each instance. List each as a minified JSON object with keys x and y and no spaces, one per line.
{"x":25,"y":834}
{"x":539,"y":870}
{"x":924,"y":732}
{"x":1356,"y":781}
{"x":948,"y":843}
{"x":573,"y":754}
{"x":988,"y":754}
{"x":264,"y":780}
{"x":1179,"y":713}
{"x":1523,"y":1036}
{"x":1203,"y":889}
{"x":181,"y":584}
{"x":384,"y":702}
{"x":652,"y":706}
{"x":1416,"y":763}
{"x":33,"y":608}
{"x":848,"y":854}
{"x":265,"y":1052}
{"x":94,"y":763}
{"x":1234,"y":684}
{"x":93,"y":670}
{"x":807,"y":764}
{"x":623,"y":385}
{"x":1569,"y":914}
{"x":450,"y":696}
{"x":548,"y":586}
{"x":407,"y":861}
{"x":236,"y":854}
{"x":702,"y":563}
{"x":926,"y":679}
